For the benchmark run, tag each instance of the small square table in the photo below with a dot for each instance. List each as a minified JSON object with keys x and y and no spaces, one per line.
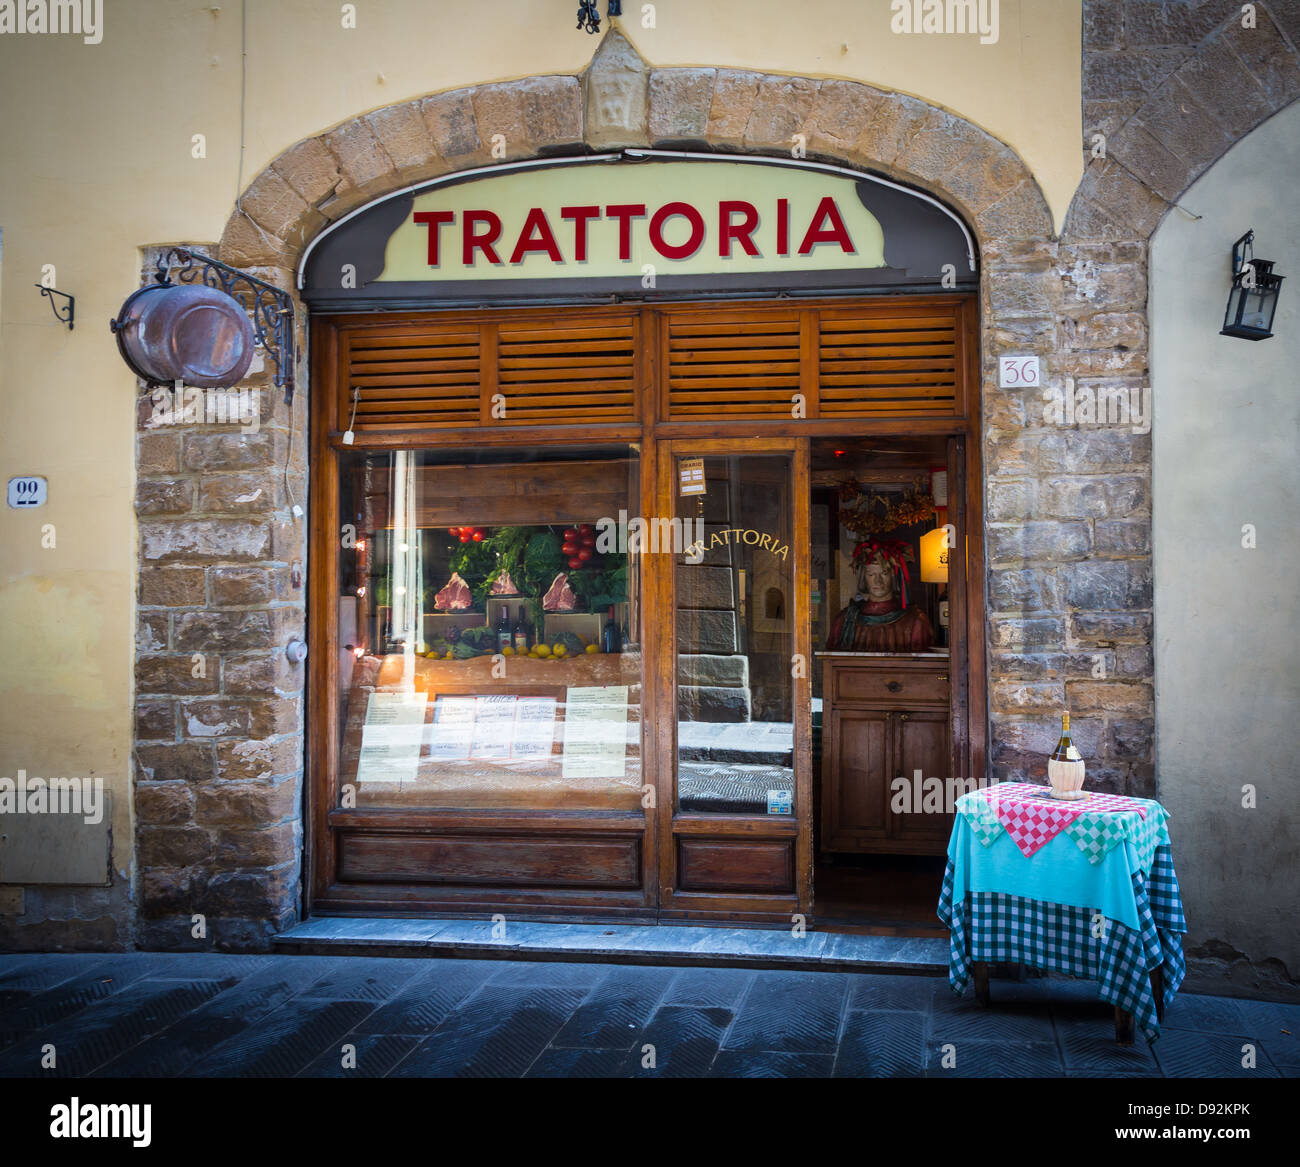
{"x":1082,"y":887}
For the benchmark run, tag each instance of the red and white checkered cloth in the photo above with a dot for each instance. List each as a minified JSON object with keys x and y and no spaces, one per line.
{"x":1033,"y":818}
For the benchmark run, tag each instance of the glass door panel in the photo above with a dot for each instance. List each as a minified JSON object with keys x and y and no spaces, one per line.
{"x":735,"y":614}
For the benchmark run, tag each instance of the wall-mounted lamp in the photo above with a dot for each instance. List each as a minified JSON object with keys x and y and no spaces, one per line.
{"x":1253,"y":298}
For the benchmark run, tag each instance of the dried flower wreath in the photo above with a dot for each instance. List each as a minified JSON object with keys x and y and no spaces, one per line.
{"x":873,"y":513}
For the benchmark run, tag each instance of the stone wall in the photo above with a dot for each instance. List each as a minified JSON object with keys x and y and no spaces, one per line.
{"x":219,"y":708}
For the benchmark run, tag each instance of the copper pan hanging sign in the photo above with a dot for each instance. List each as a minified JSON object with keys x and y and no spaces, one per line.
{"x":197,"y":332}
{"x":201,"y":336}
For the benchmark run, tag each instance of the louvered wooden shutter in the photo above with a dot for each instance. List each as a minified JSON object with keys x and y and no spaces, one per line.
{"x":567,"y":372}
{"x":428,"y":377}
{"x":874,"y":364}
{"x":746,"y":365}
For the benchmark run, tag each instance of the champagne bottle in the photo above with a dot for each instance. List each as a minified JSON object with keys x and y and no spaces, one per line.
{"x":520,"y":632}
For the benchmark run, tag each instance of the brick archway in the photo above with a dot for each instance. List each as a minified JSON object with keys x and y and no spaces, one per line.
{"x":619,"y":101}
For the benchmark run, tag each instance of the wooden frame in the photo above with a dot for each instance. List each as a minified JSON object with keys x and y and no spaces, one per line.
{"x":657,"y":438}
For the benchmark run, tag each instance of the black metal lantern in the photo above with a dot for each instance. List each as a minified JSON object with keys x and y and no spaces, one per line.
{"x":1253,"y":299}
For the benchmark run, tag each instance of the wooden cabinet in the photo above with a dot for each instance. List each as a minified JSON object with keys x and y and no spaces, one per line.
{"x":884,"y":718}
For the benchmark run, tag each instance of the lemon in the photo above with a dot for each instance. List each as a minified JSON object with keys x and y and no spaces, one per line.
{"x":543,"y":650}
{"x":560,"y":650}
{"x":448,"y":655}
{"x":507,"y":651}
{"x":592,"y":648}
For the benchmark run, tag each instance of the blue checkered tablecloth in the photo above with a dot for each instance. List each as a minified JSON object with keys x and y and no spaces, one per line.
{"x":1008,"y":929}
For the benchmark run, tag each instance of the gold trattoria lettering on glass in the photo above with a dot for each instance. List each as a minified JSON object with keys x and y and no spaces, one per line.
{"x":723,"y":538}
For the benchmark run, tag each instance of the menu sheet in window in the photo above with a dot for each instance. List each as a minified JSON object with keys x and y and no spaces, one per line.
{"x":595,"y":732}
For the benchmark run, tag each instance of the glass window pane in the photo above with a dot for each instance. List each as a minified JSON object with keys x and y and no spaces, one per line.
{"x":489,"y":631}
{"x":735,"y":636}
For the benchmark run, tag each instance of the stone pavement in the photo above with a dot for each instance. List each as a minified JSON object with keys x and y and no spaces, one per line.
{"x":200,"y":1015}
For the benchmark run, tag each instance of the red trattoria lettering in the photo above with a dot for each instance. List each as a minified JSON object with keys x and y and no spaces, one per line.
{"x":737,"y":223}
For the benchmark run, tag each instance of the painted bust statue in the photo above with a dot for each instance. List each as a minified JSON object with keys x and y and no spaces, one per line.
{"x":878,"y":619}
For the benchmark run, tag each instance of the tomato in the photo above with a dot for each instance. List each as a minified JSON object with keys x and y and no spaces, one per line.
{"x":477,"y":536}
{"x":587,"y":540}
{"x":464,"y":538}
{"x":586,"y":529}
{"x":575,"y":563}
{"x":569,"y":549}
{"x":585,"y":554}
{"x":453,"y":530}
{"x":570,"y":533}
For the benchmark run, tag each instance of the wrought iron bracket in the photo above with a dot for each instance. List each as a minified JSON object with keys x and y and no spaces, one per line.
{"x":67,"y":315}
{"x":269,"y":308}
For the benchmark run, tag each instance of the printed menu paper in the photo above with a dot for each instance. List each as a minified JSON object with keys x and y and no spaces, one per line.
{"x":452,"y":729}
{"x":391,"y":736}
{"x":494,"y":720}
{"x":595,"y":732}
{"x":534,"y":729}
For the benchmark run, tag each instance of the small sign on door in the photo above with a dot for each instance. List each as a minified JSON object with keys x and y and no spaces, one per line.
{"x":780,"y":802}
{"x":690,"y":472}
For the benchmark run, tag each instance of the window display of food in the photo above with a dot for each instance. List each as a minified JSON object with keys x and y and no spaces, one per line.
{"x":478,"y":665}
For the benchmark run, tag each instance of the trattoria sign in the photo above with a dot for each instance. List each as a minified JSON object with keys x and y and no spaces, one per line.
{"x":614,"y":226}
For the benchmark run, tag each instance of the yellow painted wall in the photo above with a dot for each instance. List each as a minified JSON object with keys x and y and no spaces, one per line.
{"x":95,"y":162}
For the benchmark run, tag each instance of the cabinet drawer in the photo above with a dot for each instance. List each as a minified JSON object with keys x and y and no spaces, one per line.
{"x":902,"y":686}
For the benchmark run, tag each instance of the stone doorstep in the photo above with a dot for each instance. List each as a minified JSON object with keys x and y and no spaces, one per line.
{"x":656,"y":944}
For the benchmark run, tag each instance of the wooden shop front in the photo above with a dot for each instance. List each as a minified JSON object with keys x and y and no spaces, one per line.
{"x":578,"y":555}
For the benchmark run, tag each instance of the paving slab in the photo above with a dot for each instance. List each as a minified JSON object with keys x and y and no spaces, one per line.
{"x":218,"y":1015}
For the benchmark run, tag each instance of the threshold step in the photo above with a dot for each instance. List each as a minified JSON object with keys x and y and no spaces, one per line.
{"x":667,"y":944}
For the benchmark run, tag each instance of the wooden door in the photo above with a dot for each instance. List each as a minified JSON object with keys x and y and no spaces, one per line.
{"x":735,"y":692}
{"x":921,"y":745}
{"x":855,"y":793}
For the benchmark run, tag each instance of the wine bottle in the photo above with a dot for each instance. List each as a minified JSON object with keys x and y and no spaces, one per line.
{"x":610,"y":640}
{"x":1065,"y":768}
{"x":503,"y":628}
{"x":520,"y":632}
{"x":1065,"y":751}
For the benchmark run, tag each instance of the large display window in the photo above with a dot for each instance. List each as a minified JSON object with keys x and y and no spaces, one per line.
{"x":489,"y":631}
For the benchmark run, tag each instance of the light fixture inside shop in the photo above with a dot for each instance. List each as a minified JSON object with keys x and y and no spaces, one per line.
{"x":934,"y":556}
{"x":1252,"y":301}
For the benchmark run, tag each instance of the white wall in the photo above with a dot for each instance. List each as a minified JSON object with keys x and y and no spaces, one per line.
{"x":1226,"y":436}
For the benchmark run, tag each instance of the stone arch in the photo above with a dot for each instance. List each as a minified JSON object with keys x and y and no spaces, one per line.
{"x":1234,"y":79}
{"x":620,"y":101}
